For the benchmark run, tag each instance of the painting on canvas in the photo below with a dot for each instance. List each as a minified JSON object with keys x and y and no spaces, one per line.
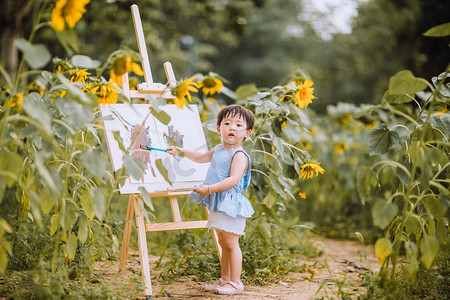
{"x":146,"y":138}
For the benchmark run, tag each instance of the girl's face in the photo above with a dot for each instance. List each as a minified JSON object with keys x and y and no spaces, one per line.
{"x":233,"y":130}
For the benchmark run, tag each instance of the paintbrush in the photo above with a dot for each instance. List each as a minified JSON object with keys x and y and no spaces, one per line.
{"x":151,"y":148}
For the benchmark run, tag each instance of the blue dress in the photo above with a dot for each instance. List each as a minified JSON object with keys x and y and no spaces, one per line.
{"x":230,"y":202}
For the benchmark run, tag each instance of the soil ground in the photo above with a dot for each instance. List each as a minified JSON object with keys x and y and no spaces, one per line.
{"x":342,"y":257}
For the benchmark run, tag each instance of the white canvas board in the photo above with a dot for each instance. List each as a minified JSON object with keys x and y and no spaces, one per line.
{"x":137,"y":126}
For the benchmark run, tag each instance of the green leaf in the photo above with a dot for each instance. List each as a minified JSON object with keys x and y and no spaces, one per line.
{"x":381,"y":139}
{"x":162,"y":170}
{"x":46,"y":175}
{"x":160,"y":115}
{"x":366,"y":182}
{"x":246,"y":90}
{"x":10,"y":167}
{"x":412,"y":222}
{"x":277,"y":186}
{"x":48,"y":201}
{"x":71,"y":246}
{"x":429,"y":247}
{"x":383,"y":249}
{"x":276,"y":141}
{"x":439,"y":82}
{"x":5,"y":226}
{"x":134,"y":166}
{"x":146,"y":198}
{"x":115,"y":243}
{"x":438,"y":31}
{"x":70,"y":216}
{"x":411,"y":255}
{"x":94,"y":162}
{"x":99,"y":202}
{"x":36,"y":56}
{"x":28,"y":131}
{"x":270,"y":212}
{"x":37,"y":110}
{"x":85,"y":62}
{"x":68,"y":39}
{"x":144,"y":211}
{"x":78,"y":115}
{"x":119,"y":140}
{"x":87,"y":203}
{"x":442,"y":231}
{"x":83,"y":229}
{"x":264,"y":230}
{"x":3,"y":261}
{"x":54,"y":223}
{"x":383,"y":212}
{"x":397,"y":98}
{"x":404,"y":82}
{"x":436,"y":205}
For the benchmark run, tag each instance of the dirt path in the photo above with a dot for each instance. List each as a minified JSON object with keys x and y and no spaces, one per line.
{"x":342,"y":257}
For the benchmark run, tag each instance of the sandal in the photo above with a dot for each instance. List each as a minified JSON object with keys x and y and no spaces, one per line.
{"x":231,"y":288}
{"x":213,"y":286}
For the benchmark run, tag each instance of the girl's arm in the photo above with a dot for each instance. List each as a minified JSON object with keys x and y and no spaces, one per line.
{"x":199,"y":157}
{"x":238,"y":166}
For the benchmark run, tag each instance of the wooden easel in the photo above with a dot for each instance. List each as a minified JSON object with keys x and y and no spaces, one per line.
{"x":134,"y":210}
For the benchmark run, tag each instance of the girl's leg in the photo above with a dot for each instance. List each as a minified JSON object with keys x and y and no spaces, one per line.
{"x":233,"y":256}
{"x":225,"y":265}
{"x":231,"y":264}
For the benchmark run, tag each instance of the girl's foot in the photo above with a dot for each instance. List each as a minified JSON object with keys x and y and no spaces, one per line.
{"x":213,"y":286}
{"x":230,"y":288}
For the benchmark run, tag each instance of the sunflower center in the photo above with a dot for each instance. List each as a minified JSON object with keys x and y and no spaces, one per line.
{"x":182,"y":90}
{"x":209,"y":82}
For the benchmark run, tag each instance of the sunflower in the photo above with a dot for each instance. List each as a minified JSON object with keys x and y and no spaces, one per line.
{"x":345,"y":118}
{"x":105,"y":92}
{"x":308,"y":169}
{"x":16,"y":101}
{"x":370,"y":125}
{"x":35,"y":88}
{"x":283,"y":125}
{"x":67,"y":11}
{"x":303,"y":96}
{"x":210,"y":85}
{"x":443,"y":110}
{"x":124,"y":65}
{"x":80,"y":76}
{"x":182,"y":90}
{"x":306,"y":144}
{"x":340,"y":147}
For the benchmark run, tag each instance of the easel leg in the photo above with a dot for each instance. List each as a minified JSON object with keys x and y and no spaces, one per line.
{"x":216,"y":239}
{"x":143,"y":252}
{"x":126,"y":235}
{"x":175,"y":208}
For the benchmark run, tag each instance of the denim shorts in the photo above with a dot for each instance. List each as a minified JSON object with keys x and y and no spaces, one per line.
{"x":221,"y":221}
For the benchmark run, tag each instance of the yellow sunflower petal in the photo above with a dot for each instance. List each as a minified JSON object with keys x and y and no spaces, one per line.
{"x":137,"y":69}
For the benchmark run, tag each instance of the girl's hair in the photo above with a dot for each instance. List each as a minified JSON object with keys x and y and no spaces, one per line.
{"x":236,"y":111}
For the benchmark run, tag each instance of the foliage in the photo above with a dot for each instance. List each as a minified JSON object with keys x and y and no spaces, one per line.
{"x":55,"y":181}
{"x":261,"y":265}
{"x":57,"y":187}
{"x":430,"y":283}
{"x":414,"y":211}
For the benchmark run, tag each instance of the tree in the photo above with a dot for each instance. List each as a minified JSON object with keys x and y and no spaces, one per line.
{"x":387,"y":37}
{"x":16,"y":20}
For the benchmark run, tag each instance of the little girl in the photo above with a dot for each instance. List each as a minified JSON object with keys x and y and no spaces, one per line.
{"x":228,"y":175}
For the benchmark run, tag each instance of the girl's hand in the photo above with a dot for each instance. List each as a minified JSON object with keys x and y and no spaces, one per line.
{"x":172,"y":150}
{"x":202,"y":190}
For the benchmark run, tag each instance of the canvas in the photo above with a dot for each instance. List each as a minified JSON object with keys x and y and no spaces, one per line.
{"x":146,"y":138}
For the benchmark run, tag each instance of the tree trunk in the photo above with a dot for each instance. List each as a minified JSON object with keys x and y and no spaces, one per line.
{"x":16,"y":19}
